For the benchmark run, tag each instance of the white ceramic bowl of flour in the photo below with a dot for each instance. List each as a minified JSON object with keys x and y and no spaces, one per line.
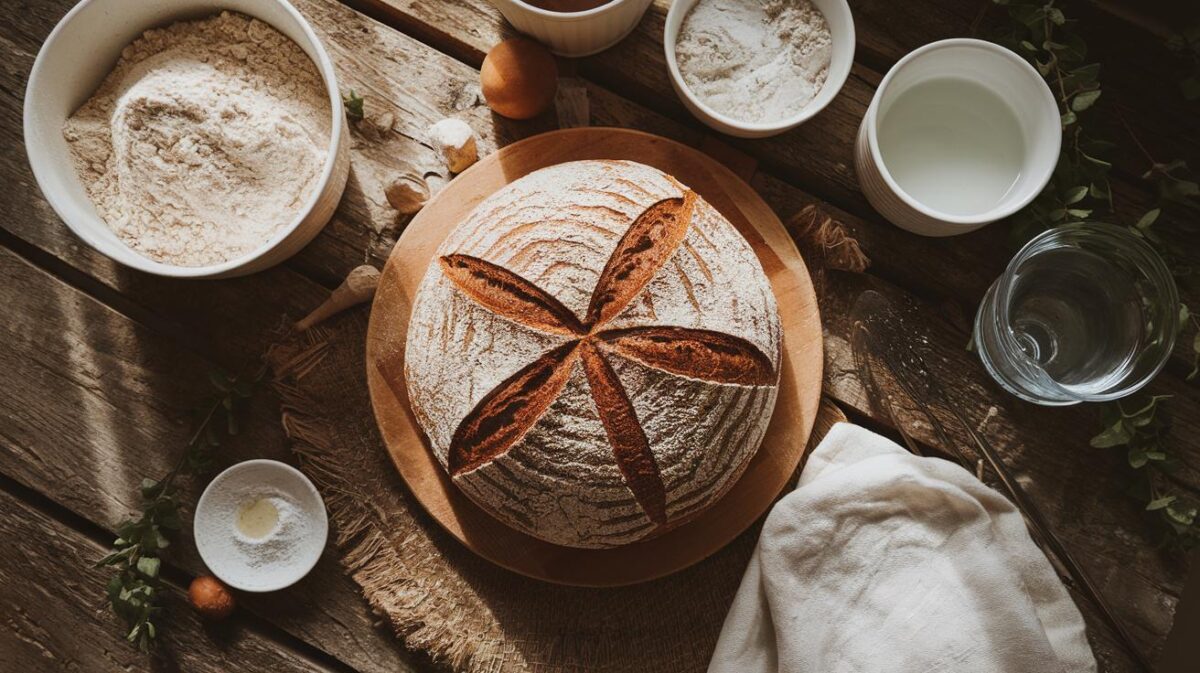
{"x":841,"y":30}
{"x":260,"y":526}
{"x":83,"y":48}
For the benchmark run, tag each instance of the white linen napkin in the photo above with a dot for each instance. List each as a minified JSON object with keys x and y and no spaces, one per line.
{"x":885,"y":562}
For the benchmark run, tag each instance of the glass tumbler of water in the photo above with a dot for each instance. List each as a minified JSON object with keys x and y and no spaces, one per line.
{"x":1083,"y":313}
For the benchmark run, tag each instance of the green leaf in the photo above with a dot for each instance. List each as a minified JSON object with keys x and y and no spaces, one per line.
{"x":1076,"y":194}
{"x":1159,"y":503}
{"x":1028,"y":45}
{"x":1084,"y":74}
{"x":1114,"y":435}
{"x":1185,"y":516}
{"x":1075,"y":49}
{"x":353,"y":104}
{"x":1056,"y":16}
{"x":1137,"y":458}
{"x":1148,"y":219}
{"x":1084,"y":100}
{"x":1080,"y":213}
{"x":113,"y":588}
{"x":1069,"y":118}
{"x":1179,"y":190}
{"x":149,"y":489}
{"x":167,"y":516}
{"x":148,"y":566}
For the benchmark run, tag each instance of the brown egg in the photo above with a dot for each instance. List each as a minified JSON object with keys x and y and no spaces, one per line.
{"x":211,"y":599}
{"x":518,"y":78}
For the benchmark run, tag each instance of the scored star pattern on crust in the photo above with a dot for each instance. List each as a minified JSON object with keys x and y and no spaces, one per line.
{"x":509,"y":410}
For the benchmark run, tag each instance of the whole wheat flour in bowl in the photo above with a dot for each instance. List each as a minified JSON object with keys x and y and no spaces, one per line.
{"x":206,"y":139}
{"x":754,"y":61}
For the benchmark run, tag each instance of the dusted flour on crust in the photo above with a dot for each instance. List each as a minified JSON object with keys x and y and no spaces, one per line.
{"x":593,"y":417}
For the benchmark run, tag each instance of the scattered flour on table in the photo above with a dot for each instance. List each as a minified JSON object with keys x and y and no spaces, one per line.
{"x":204,"y":141}
{"x":754,"y":60}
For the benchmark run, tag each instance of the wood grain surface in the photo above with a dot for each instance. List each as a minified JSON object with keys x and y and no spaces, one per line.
{"x":101,"y":364}
{"x":795,"y":408}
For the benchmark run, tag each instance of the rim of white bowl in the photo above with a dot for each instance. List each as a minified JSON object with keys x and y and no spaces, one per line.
{"x":138,"y":260}
{"x":323,"y":521}
{"x":834,"y":81}
{"x":569,"y":16}
{"x":996,"y":213}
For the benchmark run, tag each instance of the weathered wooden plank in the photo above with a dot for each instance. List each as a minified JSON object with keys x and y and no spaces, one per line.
{"x":817,"y":157}
{"x":1134,"y":66}
{"x":96,"y":402}
{"x":53,"y":619}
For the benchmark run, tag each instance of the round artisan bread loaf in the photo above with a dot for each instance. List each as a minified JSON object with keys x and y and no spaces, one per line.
{"x":594,"y":353}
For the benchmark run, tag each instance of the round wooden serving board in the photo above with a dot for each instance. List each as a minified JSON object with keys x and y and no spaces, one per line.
{"x":800,"y":377}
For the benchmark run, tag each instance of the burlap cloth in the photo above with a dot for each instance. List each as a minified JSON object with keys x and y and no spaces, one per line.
{"x":438,"y":596}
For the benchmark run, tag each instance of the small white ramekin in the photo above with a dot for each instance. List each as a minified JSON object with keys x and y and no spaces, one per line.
{"x":841,"y":27}
{"x":999,"y":69}
{"x":575,"y":33}
{"x":80,"y":52}
{"x":213,"y":527}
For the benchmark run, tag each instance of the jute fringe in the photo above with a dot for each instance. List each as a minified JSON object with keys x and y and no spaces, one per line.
{"x":367,"y":554}
{"x":825,"y":242}
{"x":440,"y":598}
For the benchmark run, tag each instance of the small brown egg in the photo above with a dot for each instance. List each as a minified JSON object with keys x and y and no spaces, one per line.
{"x":518,"y":78}
{"x":211,"y":599}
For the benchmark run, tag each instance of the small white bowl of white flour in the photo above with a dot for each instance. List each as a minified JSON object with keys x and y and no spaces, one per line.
{"x":191,"y":138}
{"x":756,"y":68}
{"x":260,"y":526}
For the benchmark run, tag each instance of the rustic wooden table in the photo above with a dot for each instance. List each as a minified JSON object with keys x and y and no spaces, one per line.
{"x":102,"y":364}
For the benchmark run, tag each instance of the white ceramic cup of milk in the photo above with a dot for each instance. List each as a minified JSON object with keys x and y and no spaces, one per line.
{"x":960,"y":133}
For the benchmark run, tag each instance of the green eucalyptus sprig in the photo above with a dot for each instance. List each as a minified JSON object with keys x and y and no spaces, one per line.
{"x":1079,"y":191}
{"x":133,"y":591}
{"x":353,"y":104}
{"x":1141,"y":428}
